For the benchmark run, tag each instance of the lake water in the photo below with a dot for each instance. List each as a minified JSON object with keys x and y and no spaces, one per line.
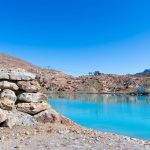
{"x":121,"y":114}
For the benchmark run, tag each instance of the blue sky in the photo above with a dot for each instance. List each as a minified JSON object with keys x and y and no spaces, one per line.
{"x":79,"y":36}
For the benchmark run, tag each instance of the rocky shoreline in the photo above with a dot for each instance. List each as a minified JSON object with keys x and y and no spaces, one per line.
{"x":21,"y":101}
{"x":28,"y":122}
{"x":65,"y":137}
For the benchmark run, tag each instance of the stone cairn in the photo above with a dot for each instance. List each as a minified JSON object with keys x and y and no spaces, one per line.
{"x":21,"y":100}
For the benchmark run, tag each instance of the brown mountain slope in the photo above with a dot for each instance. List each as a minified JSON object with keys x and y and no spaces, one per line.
{"x":11,"y":61}
{"x":50,"y":79}
{"x":14,"y":62}
{"x":56,"y":81}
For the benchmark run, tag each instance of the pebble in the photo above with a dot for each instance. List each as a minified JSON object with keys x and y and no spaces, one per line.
{"x":26,"y":133}
{"x":16,"y":147}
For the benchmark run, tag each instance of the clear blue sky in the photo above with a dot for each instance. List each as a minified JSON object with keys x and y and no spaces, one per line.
{"x":78,"y":36}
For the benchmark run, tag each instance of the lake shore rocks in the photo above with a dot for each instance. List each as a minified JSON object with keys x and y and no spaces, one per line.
{"x":6,"y":104}
{"x":16,"y":74}
{"x":29,"y":86}
{"x":8,"y":85}
{"x":21,"y":99}
{"x":9,"y":94}
{"x":51,"y":116}
{"x":32,"y":97}
{"x":3,"y":115}
{"x":32,"y":108}
{"x":17,"y":118}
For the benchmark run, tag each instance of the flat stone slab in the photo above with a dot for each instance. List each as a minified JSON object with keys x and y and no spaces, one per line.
{"x":16,"y":74}
{"x":32,"y":108}
{"x":17,"y":118}
{"x":29,"y":86}
{"x":8,"y":85}
{"x":32,"y":97}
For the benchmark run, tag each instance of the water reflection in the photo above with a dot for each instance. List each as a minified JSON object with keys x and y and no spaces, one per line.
{"x":122,"y":114}
{"x":103,"y":98}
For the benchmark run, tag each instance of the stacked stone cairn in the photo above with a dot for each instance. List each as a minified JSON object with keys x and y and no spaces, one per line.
{"x":21,"y":101}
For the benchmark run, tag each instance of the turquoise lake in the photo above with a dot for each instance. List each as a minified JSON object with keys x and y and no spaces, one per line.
{"x":121,"y":114}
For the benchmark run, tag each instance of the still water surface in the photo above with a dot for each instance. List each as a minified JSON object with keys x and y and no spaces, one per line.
{"x":121,"y":114}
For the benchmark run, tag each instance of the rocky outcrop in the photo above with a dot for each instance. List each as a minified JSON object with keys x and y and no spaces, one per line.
{"x":21,"y":100}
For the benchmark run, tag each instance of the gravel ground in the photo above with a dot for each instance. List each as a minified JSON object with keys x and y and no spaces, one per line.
{"x":62,"y":137}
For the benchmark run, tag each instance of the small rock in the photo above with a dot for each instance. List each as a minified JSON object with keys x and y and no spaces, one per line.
{"x":26,"y":133}
{"x":16,"y":147}
{"x":3,"y":115}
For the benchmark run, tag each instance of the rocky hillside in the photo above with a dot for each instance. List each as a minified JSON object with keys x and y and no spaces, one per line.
{"x":7,"y":61}
{"x":50,"y":80}
{"x":53,"y":81}
{"x":145,"y":73}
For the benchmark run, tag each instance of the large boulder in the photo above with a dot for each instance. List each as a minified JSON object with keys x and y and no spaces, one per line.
{"x":32,"y":97}
{"x":17,"y":118}
{"x":32,"y":108}
{"x":16,"y":74}
{"x":9,"y":94}
{"x":8,"y":85}
{"x":47,"y":116}
{"x":29,"y":86}
{"x":7,"y":104}
{"x":51,"y":116}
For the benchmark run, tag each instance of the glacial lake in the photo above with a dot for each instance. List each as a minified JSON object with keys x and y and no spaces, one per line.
{"x":121,"y":114}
